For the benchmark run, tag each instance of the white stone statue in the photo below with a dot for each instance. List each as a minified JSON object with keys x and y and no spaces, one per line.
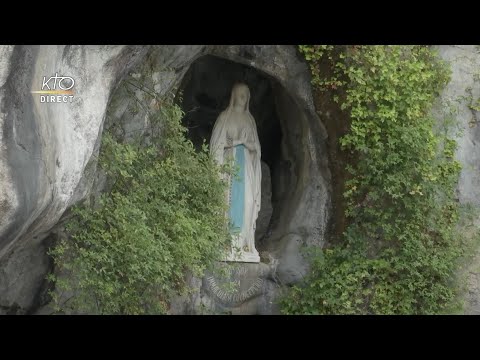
{"x":235,"y":138}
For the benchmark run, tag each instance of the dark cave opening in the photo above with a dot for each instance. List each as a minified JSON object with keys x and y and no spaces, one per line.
{"x":205,"y":92}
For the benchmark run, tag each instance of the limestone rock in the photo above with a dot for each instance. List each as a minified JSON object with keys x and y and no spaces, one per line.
{"x":47,"y":151}
{"x":292,"y":265}
{"x":461,"y":99}
{"x":266,"y":208}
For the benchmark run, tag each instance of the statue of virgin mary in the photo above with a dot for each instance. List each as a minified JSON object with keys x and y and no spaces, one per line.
{"x":235,"y":138}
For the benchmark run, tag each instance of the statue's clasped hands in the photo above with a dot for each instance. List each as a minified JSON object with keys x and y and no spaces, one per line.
{"x":247,"y":140}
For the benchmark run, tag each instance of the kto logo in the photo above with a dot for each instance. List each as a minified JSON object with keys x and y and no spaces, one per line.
{"x":56,"y":89}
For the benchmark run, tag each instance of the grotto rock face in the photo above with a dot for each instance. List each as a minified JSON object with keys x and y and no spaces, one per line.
{"x":47,"y":163}
{"x":295,"y":181}
{"x":461,"y":98}
{"x":265,"y":213}
{"x":44,"y":150}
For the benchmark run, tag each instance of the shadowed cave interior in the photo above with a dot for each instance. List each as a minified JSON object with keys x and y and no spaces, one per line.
{"x":205,"y":92}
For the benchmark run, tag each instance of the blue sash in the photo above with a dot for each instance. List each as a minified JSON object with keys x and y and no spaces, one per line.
{"x":237,"y":203}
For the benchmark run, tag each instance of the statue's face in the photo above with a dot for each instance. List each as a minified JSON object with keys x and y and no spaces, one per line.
{"x":241,"y":97}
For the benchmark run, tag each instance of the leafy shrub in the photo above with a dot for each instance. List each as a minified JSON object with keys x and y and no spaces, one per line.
{"x":401,"y":246}
{"x":163,"y":215}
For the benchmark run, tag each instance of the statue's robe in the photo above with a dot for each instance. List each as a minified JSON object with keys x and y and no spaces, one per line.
{"x":235,"y":137}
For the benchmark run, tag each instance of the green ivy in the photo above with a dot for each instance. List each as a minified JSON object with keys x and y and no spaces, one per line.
{"x":401,"y":244}
{"x":162,"y":216}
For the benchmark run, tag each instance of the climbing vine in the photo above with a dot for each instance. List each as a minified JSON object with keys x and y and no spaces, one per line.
{"x":400,"y":246}
{"x":162,"y":215}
